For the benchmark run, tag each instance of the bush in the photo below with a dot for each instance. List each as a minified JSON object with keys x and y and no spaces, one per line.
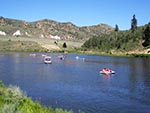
{"x":13,"y":100}
{"x":64,"y":45}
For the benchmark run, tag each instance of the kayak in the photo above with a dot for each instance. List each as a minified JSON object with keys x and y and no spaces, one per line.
{"x":47,"y":60}
{"x":107,"y":71}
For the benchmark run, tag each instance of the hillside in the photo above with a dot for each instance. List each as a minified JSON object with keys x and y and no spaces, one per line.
{"x":51,"y":29}
{"x":119,"y":42}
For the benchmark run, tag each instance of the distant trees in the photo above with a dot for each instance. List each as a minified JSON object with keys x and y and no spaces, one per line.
{"x":146,"y":36}
{"x":133,"y":23}
{"x":121,"y":40}
{"x":94,"y":42}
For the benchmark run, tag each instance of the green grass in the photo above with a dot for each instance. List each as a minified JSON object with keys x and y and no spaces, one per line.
{"x":13,"y":100}
{"x":12,"y":45}
{"x":140,"y":55}
{"x":35,"y":44}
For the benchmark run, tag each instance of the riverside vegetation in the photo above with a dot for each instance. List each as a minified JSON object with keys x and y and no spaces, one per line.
{"x":24,"y":44}
{"x":129,"y":42}
{"x":13,"y":100}
{"x":19,"y":46}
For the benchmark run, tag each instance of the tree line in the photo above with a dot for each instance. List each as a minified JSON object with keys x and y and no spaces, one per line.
{"x":123,"y":40}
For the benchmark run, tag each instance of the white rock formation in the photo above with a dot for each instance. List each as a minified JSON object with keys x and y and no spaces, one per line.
{"x":55,"y":37}
{"x":2,"y":33}
{"x":17,"y":33}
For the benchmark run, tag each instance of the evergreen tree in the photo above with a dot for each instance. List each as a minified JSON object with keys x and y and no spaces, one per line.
{"x":133,"y":23}
{"x":146,"y":36}
{"x":64,"y":45}
{"x":116,"y":28}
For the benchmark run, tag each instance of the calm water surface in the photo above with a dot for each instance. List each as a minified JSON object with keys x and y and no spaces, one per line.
{"x":76,"y":83}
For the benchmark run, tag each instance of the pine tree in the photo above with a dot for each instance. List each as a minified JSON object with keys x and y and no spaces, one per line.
{"x":146,"y":36}
{"x":133,"y":23}
{"x":64,"y":45}
{"x":116,"y":28}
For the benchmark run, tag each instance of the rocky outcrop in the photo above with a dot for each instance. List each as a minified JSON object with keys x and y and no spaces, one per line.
{"x":17,"y":33}
{"x":2,"y":33}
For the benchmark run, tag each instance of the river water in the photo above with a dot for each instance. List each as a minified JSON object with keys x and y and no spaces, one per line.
{"x":75,"y":82}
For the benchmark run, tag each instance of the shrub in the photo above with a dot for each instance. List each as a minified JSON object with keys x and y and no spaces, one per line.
{"x":13,"y":100}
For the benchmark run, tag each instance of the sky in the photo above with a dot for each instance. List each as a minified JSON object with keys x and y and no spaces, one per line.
{"x":79,"y":12}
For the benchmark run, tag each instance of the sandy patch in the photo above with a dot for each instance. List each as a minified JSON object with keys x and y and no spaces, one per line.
{"x":50,"y":47}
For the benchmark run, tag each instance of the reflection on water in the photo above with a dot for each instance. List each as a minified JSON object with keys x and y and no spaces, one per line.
{"x":77,"y":84}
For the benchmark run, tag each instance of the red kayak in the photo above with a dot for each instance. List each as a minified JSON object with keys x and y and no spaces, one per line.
{"x":107,"y":71}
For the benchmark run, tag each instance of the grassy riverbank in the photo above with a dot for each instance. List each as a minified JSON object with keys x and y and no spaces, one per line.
{"x":36,"y":44}
{"x":23,"y":44}
{"x":13,"y":100}
{"x":137,"y":53}
{"x":19,"y":45}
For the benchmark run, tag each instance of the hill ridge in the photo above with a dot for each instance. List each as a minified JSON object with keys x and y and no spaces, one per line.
{"x":47,"y":28}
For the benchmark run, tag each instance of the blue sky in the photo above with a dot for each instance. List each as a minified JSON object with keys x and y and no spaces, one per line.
{"x":79,"y":12}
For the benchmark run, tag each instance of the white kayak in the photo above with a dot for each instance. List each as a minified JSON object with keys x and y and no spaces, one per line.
{"x":47,"y":60}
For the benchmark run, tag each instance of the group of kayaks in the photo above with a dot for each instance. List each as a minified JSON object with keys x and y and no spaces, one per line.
{"x":106,"y":71}
{"x":47,"y":59}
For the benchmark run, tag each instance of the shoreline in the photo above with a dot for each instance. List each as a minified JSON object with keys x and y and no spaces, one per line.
{"x":75,"y":51}
{"x":22,"y":44}
{"x":13,"y":99}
